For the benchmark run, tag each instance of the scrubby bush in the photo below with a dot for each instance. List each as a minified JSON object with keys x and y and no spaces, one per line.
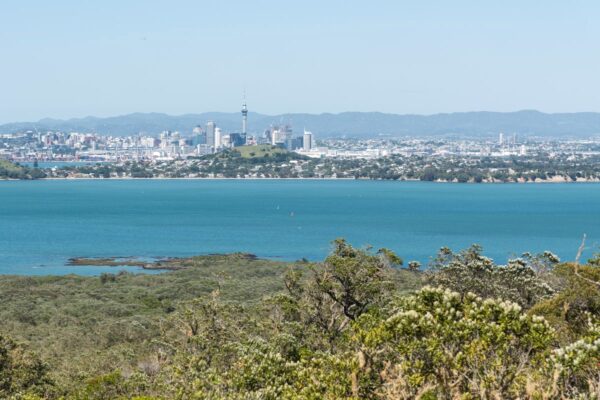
{"x":355,"y":326}
{"x":469,"y":271}
{"x":453,"y":345}
{"x":22,"y":374}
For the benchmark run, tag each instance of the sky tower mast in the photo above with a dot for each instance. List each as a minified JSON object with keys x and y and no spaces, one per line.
{"x":244,"y":117}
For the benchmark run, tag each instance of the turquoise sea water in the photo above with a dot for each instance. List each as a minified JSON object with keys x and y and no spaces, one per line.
{"x":43,"y":223}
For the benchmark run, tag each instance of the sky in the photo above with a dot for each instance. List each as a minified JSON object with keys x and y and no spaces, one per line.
{"x":64,"y":59}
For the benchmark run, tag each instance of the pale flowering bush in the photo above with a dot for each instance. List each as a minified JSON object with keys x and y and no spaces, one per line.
{"x":453,"y":345}
{"x":522,"y":280}
{"x":258,"y":370}
{"x":577,"y":365}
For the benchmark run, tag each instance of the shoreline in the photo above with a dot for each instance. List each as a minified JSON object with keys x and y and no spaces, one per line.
{"x":553,"y":181}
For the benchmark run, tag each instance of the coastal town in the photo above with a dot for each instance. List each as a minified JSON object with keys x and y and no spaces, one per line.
{"x":55,"y":146}
{"x":272,"y":162}
{"x":34,"y":146}
{"x":207,"y":151}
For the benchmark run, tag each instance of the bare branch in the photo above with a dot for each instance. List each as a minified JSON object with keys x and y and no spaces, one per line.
{"x":580,"y":250}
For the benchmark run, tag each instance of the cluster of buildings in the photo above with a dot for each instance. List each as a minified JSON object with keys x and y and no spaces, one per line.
{"x":503,"y":147}
{"x":169,"y":145}
{"x":210,"y":138}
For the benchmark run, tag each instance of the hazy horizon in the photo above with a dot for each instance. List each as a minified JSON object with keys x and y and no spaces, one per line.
{"x":291,"y":113}
{"x":69,"y":59}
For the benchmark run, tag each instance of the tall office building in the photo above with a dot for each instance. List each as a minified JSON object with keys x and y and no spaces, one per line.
{"x":218,"y":136}
{"x":307,"y":141}
{"x":501,"y":139}
{"x":210,"y":133}
{"x":198,"y":136}
{"x":280,"y":134}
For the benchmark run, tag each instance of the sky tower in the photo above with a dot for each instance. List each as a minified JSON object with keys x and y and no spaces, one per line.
{"x":244,"y":117}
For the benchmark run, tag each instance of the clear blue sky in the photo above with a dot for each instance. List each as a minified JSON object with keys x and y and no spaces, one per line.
{"x":75,"y":58}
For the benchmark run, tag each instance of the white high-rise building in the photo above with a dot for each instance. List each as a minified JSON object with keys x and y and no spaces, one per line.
{"x":501,"y":139}
{"x":275,"y":136}
{"x":210,"y":133}
{"x":307,"y":141}
{"x":217,"y":135}
{"x":225,"y":141}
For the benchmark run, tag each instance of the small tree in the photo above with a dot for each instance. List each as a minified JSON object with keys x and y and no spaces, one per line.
{"x":521,"y":280}
{"x":21,"y":372}
{"x":570,"y":309}
{"x":414,"y":265}
{"x":343,"y":287}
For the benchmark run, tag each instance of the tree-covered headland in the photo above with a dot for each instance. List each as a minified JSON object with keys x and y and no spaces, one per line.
{"x":358,"y":325}
{"x":9,"y":170}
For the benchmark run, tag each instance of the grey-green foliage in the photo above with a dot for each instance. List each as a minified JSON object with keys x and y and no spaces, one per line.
{"x":22,"y":373}
{"x":595,"y":260}
{"x":341,"y":329}
{"x":294,"y":345}
{"x":522,"y":280}
{"x":348,"y":283}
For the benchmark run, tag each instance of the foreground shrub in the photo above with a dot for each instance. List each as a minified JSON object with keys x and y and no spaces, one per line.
{"x":22,"y":373}
{"x":577,"y":300}
{"x":449,"y":345}
{"x":521,"y":280}
{"x":577,"y":366}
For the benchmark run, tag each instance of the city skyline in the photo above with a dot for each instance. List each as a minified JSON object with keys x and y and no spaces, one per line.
{"x":70,"y":59}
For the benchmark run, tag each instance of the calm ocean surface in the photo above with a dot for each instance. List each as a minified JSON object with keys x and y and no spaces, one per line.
{"x":43,"y":223}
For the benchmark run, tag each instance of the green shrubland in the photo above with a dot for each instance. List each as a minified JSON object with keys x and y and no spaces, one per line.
{"x":356,"y":326}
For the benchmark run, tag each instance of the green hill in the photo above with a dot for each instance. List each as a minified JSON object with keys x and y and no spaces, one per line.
{"x":263,"y":150}
{"x":252,"y":155}
{"x":9,"y":170}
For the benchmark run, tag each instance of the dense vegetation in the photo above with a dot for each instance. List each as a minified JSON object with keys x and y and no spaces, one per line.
{"x":260,"y":152}
{"x":273,"y":162}
{"x":356,"y":326}
{"x":9,"y":170}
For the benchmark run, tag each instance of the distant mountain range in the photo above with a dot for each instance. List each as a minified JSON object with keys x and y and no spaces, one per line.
{"x":349,"y":124}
